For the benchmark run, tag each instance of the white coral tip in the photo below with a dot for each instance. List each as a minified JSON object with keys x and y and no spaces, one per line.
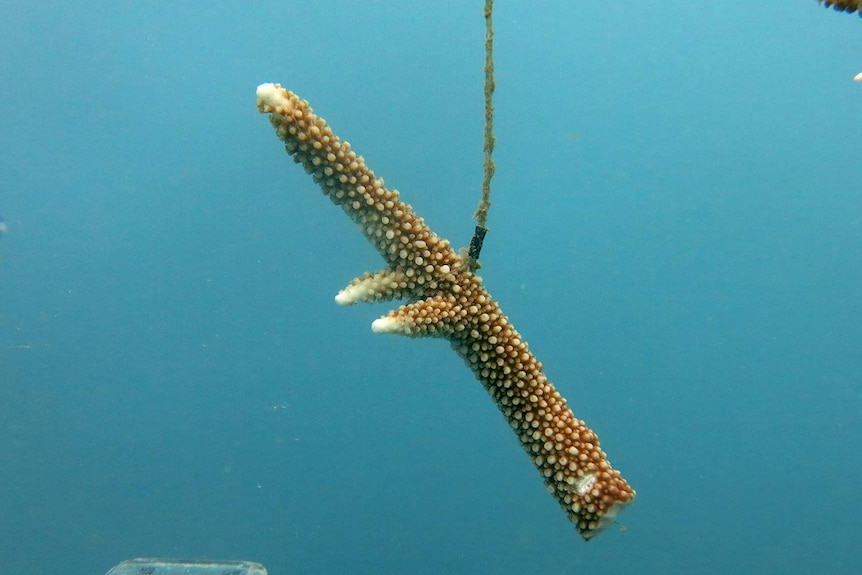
{"x":344,"y":297}
{"x":385,"y":325}
{"x":355,"y":293}
{"x":270,"y":94}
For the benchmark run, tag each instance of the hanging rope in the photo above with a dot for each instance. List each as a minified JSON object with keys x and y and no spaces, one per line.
{"x":481,"y":215}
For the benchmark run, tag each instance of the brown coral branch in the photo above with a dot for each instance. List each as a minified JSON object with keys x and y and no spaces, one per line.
{"x":447,"y":299}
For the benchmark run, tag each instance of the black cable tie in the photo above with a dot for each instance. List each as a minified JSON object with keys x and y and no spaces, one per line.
{"x":476,"y":242}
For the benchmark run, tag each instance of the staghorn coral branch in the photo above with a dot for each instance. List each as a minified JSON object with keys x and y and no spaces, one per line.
{"x":447,"y":299}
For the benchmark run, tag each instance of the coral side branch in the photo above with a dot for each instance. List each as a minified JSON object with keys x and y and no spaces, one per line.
{"x":447,"y":299}
{"x":384,"y":285}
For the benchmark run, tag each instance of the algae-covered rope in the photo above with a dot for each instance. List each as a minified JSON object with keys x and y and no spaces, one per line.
{"x":481,"y":214}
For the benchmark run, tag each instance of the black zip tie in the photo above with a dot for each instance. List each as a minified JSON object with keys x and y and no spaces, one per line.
{"x":476,"y":242}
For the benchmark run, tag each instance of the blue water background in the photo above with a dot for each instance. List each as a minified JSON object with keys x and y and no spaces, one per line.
{"x":676,"y":230}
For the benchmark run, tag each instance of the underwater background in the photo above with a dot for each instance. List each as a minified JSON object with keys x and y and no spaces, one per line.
{"x":676,"y":230}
